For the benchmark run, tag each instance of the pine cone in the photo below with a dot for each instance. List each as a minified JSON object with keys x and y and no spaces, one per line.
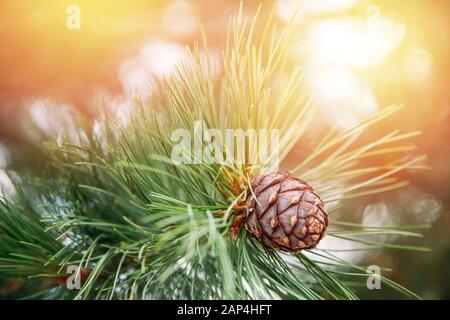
{"x":286,"y":214}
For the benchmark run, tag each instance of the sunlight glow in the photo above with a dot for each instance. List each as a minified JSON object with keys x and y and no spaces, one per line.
{"x":156,"y":59}
{"x":417,"y":65}
{"x":337,"y":52}
{"x":286,"y":8}
{"x":345,"y":101}
{"x":179,"y":18}
{"x":355,"y":42}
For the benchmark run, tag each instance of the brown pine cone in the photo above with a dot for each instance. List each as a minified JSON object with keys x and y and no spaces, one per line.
{"x":286,"y":214}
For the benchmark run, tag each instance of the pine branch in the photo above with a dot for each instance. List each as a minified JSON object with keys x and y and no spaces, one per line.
{"x":143,"y":227}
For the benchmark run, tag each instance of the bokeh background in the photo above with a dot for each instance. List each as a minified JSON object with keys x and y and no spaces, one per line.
{"x":359,"y":56}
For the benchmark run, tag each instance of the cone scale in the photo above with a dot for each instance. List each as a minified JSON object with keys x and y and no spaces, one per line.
{"x":284,"y":213}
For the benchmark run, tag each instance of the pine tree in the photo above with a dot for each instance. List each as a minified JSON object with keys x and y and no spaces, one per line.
{"x":138,"y":226}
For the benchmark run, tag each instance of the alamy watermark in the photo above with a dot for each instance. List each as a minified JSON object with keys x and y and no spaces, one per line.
{"x":227,"y":147}
{"x":73,"y":21}
{"x":374,"y":280}
{"x":73,"y":280}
